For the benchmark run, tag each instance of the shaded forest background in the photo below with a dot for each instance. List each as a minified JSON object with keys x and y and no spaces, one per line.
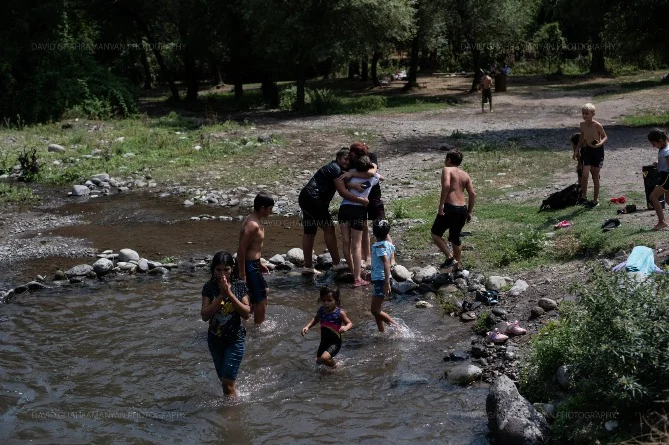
{"x":95,"y":56}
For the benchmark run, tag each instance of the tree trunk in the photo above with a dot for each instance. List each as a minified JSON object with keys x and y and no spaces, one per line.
{"x":353,"y":69}
{"x":191,"y":76}
{"x":215,"y":66}
{"x":145,"y":66}
{"x":270,"y":90}
{"x":597,"y":63}
{"x":412,"y":80}
{"x":156,"y":52}
{"x":301,"y":82}
{"x":476,"y":65}
{"x":375,"y":61}
{"x":364,"y":75}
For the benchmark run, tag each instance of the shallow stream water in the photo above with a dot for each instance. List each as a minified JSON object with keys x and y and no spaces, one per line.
{"x":126,"y":359}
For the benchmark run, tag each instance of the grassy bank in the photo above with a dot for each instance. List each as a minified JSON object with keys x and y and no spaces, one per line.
{"x":169,"y":149}
{"x":510,"y":233}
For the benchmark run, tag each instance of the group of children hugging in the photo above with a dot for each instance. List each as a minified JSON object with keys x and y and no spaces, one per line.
{"x":588,"y":151}
{"x":238,"y":289}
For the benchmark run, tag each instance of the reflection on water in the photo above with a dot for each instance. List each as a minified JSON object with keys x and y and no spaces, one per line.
{"x":128,"y":361}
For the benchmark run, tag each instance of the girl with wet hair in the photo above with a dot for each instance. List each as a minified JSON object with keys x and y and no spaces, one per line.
{"x":333,"y":322}
{"x":225,"y":302}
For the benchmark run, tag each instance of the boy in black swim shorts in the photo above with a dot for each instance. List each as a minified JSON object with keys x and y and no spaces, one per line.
{"x":452,"y":211}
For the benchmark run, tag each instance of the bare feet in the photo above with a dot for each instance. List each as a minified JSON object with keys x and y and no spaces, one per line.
{"x":660,"y":226}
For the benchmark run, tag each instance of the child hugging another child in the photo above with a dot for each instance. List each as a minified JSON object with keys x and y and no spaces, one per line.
{"x":333,"y":322}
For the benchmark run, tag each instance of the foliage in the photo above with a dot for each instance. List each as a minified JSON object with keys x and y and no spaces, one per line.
{"x":550,"y":44}
{"x":323,"y":101}
{"x":522,"y":246}
{"x":449,"y":304}
{"x":484,"y":323}
{"x":288,"y":98}
{"x":14,"y":194}
{"x":615,"y":344}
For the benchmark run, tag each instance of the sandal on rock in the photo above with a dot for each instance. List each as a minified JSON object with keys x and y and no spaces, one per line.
{"x":497,"y":337}
{"x":359,"y":283}
{"x":515,"y":329}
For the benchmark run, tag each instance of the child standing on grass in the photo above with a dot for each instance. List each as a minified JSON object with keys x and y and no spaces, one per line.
{"x":383,"y":259}
{"x":333,"y":321}
{"x":658,"y":139}
{"x":592,"y":140}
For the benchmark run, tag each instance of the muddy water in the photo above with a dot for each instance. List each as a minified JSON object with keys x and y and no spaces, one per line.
{"x":126,"y":360}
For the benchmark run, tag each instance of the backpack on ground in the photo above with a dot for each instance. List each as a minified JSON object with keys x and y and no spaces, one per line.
{"x":566,"y":197}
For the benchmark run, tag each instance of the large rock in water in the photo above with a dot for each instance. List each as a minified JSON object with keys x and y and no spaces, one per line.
{"x":295,"y":256}
{"x":79,"y":271}
{"x":103,"y":266}
{"x":511,"y":418}
{"x":400,"y":273}
{"x":126,"y":255}
{"x":463,"y":374}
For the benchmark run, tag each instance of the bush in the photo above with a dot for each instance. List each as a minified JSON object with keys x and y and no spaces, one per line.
{"x":287,"y":98}
{"x":322,"y":101}
{"x":615,"y":344}
{"x":523,"y":246}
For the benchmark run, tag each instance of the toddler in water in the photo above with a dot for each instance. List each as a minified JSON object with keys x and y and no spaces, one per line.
{"x":383,"y":258}
{"x":333,"y":321}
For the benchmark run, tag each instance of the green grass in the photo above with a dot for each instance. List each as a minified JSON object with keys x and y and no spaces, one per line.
{"x":163,"y":148}
{"x":647,"y":120}
{"x":16,"y":194}
{"x":515,"y":235}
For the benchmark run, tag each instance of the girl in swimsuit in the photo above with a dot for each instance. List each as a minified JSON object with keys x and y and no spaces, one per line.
{"x":333,"y":322}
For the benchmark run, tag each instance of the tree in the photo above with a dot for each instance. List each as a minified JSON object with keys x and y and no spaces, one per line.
{"x":485,"y":31}
{"x":550,"y":45}
{"x":642,"y":19}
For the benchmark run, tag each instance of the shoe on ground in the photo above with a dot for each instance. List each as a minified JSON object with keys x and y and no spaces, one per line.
{"x":358,"y":283}
{"x":341,"y":266}
{"x":310,"y":271}
{"x":515,"y":329}
{"x":461,"y":273}
{"x":581,"y":201}
{"x":497,"y":337}
{"x":610,"y":224}
{"x":450,"y":262}
{"x":592,"y":204}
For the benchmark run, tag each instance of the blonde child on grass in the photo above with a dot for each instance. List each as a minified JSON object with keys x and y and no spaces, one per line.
{"x":592,"y":140}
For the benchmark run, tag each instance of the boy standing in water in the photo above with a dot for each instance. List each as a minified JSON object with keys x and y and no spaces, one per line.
{"x":251,"y":237}
{"x":593,"y":138}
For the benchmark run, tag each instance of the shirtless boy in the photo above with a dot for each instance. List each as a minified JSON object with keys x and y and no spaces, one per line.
{"x":486,"y":91}
{"x":251,"y":237}
{"x":453,"y":212}
{"x":592,"y":143}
